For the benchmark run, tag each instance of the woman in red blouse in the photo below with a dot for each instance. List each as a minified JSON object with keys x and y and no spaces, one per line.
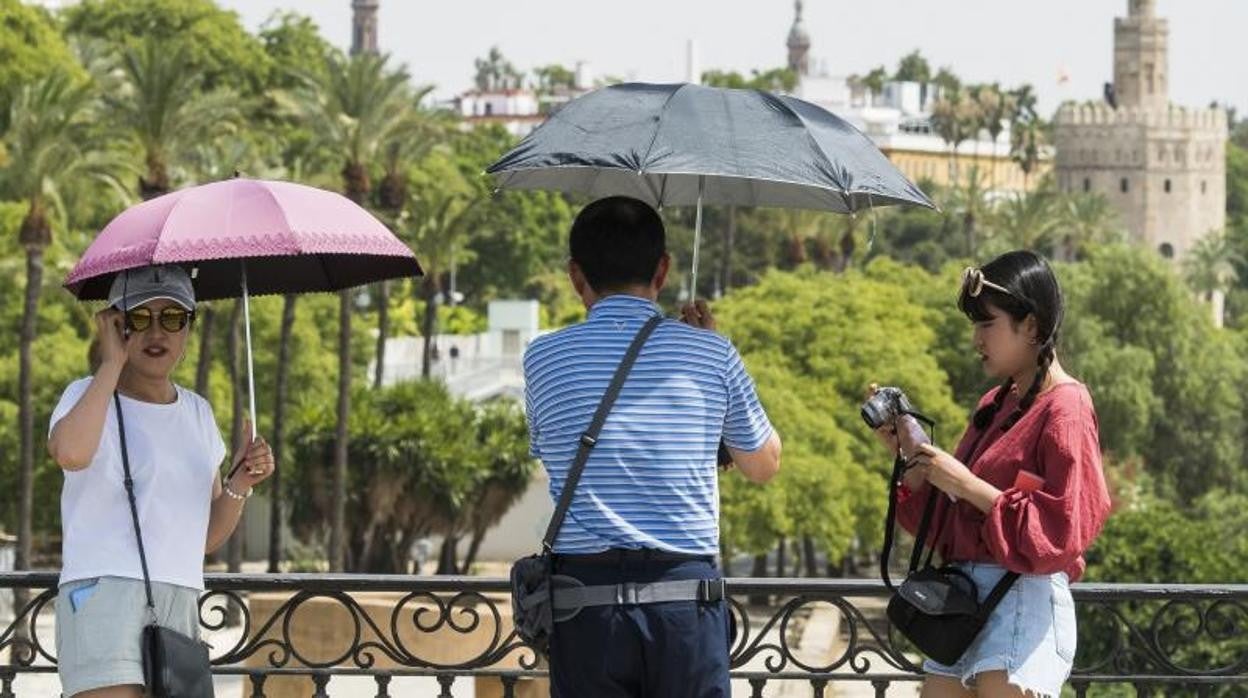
{"x":1025,"y":488}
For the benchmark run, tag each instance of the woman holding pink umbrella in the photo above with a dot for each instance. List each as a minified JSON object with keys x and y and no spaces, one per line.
{"x":130,"y":422}
{"x":281,"y":237}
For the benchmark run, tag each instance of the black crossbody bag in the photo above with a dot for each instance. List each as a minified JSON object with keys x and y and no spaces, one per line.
{"x":532,"y":577}
{"x":936,"y":608}
{"x":174,"y":665}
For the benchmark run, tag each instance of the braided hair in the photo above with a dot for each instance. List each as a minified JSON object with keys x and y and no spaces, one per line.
{"x":1033,"y":291}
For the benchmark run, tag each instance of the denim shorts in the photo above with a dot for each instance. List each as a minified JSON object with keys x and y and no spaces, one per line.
{"x":99,"y":623}
{"x":1030,"y":635}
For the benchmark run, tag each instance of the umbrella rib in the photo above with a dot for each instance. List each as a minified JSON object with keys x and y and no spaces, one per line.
{"x":817,"y":149}
{"x":280,"y":209}
{"x":654,"y":139}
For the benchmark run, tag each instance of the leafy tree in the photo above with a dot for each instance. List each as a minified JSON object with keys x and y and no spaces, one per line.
{"x":814,"y":342}
{"x":294,"y":45}
{"x":217,"y":43}
{"x":31,"y":48}
{"x":874,"y":80}
{"x":352,"y":107}
{"x":1192,"y":411}
{"x":553,"y":78}
{"x":1211,"y":266}
{"x":413,"y":471}
{"x":913,"y":67}
{"x":50,"y":141}
{"x":443,"y":207}
{"x":772,"y":80}
{"x":1025,"y":220}
{"x":163,"y":106}
{"x":1085,"y":220}
{"x":495,"y":72}
{"x":955,"y":118}
{"x":947,"y":82}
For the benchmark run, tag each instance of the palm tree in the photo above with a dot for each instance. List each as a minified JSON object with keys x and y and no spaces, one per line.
{"x":412,"y":139}
{"x":1210,"y":269}
{"x":955,"y":118}
{"x":352,"y":107}
{"x":1026,"y":221}
{"x":441,"y":208}
{"x":163,"y":105}
{"x":1026,"y":132}
{"x":996,"y":107}
{"x":50,"y":143}
{"x":1087,"y":219}
{"x":972,"y":203}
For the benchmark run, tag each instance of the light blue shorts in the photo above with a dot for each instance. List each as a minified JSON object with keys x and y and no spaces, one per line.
{"x":1030,"y":635}
{"x":99,"y":623}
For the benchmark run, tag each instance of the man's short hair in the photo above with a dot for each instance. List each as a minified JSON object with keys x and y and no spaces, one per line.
{"x":617,"y":242}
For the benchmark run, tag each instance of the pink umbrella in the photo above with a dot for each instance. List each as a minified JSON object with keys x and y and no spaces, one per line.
{"x":243,"y":237}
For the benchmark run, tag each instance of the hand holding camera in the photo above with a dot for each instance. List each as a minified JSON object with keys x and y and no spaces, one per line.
{"x":896,"y":423}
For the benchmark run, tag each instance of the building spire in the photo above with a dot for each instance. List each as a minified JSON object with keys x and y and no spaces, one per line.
{"x":364,"y":26}
{"x":1144,"y":9}
{"x":799,"y":44}
{"x":1141,"y":57}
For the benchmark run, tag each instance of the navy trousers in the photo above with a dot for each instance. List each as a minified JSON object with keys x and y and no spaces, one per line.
{"x":665,"y":650}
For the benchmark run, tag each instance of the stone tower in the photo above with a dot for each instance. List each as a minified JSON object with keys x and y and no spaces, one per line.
{"x":364,"y":26}
{"x":799,"y":45}
{"x":1141,"y":63}
{"x":1162,"y":166}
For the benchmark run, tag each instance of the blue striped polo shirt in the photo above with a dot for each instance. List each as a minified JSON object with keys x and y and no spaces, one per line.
{"x":651,"y":481}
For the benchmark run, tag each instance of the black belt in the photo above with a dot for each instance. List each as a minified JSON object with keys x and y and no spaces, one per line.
{"x":621,"y":556}
{"x":574,"y":598}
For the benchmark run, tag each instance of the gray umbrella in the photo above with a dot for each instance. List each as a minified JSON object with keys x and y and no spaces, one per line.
{"x":685,"y":145}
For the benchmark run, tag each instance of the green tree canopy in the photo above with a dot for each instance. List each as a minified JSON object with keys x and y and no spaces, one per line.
{"x":31,"y":47}
{"x":219,"y":45}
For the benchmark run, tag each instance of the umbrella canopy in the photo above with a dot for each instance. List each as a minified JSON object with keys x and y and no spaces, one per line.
{"x":683,"y":144}
{"x":243,"y":237}
{"x":293,"y":238}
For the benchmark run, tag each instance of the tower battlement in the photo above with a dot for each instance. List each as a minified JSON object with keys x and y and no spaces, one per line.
{"x":1172,"y":117}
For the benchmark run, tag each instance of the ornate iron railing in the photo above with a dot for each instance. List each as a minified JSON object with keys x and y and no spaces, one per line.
{"x":1155,"y":639}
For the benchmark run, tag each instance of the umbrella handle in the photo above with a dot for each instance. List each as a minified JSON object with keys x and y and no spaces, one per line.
{"x":697,"y":242}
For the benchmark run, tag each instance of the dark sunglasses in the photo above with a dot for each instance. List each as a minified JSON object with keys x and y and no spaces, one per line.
{"x":171,"y":319}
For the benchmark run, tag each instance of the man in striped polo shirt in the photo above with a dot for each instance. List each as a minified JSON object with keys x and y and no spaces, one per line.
{"x":646,"y":509}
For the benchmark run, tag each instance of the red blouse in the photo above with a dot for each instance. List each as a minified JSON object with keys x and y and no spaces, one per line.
{"x":1039,"y":532}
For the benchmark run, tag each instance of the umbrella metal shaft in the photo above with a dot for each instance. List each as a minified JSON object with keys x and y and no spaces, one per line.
{"x":697,"y":242}
{"x":251,"y":376}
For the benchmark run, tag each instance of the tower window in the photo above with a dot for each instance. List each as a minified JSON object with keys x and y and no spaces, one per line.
{"x":1124,"y":185}
{"x":1204,"y":186}
{"x":1166,"y":250}
{"x":1087,"y":184}
{"x":1167,"y":185}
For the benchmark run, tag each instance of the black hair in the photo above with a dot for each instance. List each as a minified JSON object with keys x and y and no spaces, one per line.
{"x":617,"y":242}
{"x":1033,"y":290}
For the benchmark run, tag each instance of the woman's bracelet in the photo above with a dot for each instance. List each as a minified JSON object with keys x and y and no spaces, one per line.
{"x":229,"y":491}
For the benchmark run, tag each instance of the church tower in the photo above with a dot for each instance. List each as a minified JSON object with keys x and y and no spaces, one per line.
{"x":364,"y":26}
{"x":799,"y":45}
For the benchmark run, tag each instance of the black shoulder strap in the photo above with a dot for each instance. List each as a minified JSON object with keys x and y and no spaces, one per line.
{"x":134,"y":508}
{"x":998,"y":592}
{"x":590,"y":437}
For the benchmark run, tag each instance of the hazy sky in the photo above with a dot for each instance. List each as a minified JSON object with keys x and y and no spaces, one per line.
{"x":1010,"y":41}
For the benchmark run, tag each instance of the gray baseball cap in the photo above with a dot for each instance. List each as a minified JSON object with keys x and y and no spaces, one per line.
{"x":135,"y":287}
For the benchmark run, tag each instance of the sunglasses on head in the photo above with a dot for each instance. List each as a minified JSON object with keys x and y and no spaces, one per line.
{"x":171,"y":319}
{"x":974,"y":283}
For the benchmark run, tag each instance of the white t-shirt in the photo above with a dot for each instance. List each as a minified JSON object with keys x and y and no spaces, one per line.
{"x":175,"y":451}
